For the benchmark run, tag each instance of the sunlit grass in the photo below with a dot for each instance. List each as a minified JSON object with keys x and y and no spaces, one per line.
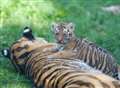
{"x":26,"y":12}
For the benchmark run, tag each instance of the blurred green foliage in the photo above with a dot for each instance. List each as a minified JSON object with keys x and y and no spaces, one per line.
{"x":90,"y":20}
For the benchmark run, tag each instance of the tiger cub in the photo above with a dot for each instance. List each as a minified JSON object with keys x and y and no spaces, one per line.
{"x":84,"y":50}
{"x":28,"y":57}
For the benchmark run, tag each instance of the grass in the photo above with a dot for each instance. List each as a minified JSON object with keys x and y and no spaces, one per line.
{"x":91,"y":22}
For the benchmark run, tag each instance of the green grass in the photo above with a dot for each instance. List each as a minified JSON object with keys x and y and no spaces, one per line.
{"x":91,"y":22}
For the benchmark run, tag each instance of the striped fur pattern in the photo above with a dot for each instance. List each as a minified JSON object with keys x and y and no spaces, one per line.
{"x":61,"y":73}
{"x":28,"y":56}
{"x":89,"y":52}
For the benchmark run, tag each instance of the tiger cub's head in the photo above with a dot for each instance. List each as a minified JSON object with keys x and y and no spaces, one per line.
{"x":20,"y":49}
{"x":63,"y":32}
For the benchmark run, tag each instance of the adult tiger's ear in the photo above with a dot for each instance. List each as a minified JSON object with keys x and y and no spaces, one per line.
{"x":27,"y":32}
{"x":6,"y":53}
{"x":71,"y":26}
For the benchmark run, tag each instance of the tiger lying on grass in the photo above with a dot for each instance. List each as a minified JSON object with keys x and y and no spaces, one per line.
{"x":83,"y":49}
{"x":28,"y":57}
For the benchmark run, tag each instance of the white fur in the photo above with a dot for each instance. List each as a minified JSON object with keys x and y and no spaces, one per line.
{"x":85,"y":67}
{"x":65,"y":30}
{"x":26,"y":30}
{"x":5,"y":52}
{"x":56,"y":30}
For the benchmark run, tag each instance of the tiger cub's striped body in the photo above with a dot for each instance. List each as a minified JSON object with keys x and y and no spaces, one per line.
{"x":28,"y":56}
{"x":85,"y":50}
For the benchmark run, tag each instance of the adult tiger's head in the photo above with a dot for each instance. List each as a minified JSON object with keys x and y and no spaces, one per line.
{"x":20,"y":49}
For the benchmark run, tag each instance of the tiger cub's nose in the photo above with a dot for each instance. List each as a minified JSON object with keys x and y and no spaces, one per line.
{"x":60,"y":40}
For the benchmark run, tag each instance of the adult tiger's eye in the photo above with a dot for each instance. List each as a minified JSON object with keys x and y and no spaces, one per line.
{"x":19,"y":49}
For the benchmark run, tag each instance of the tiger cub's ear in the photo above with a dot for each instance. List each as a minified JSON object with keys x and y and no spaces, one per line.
{"x":27,"y":32}
{"x":6,"y":53}
{"x":53,"y":26}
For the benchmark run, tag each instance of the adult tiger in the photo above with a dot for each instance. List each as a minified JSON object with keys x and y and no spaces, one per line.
{"x":28,"y":56}
{"x":85,"y":50}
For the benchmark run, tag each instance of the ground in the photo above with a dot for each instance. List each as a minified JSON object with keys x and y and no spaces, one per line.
{"x":91,"y":21}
